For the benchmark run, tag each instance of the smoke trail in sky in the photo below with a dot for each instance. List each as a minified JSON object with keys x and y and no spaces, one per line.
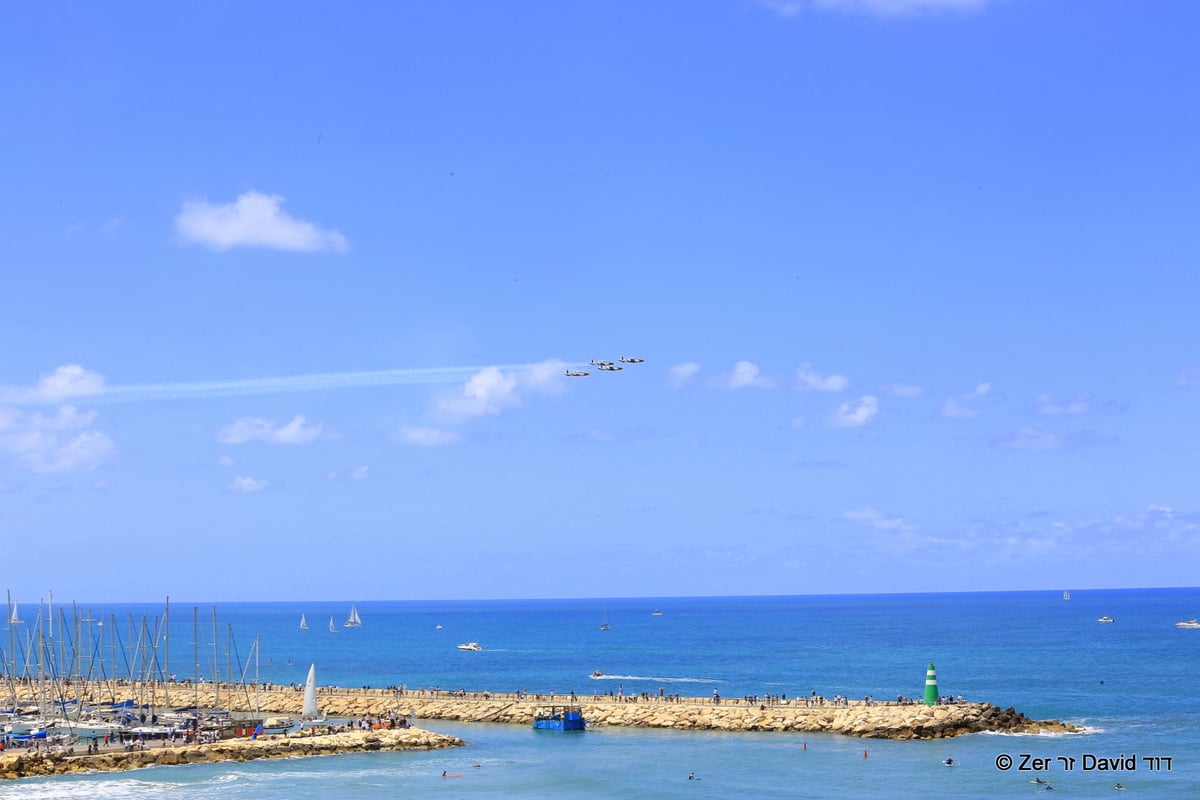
{"x":292,"y":383}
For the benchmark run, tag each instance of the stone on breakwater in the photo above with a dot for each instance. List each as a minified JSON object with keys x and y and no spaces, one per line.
{"x":877,"y":720}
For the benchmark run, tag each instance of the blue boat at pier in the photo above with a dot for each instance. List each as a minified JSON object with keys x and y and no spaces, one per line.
{"x":565,"y":718}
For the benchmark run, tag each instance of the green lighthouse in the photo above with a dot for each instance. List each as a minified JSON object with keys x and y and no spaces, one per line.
{"x":931,"y":692}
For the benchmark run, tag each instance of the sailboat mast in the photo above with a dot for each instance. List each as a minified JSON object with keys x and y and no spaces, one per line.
{"x":216,"y":664}
{"x":195,"y":655}
{"x":167,"y":637}
{"x":12,"y":656}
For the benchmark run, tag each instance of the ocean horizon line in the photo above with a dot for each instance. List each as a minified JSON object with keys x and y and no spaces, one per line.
{"x":16,"y":597}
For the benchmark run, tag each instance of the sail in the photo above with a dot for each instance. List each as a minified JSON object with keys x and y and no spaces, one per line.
{"x":332,"y":627}
{"x":303,"y":623}
{"x":309,"y":710}
{"x":15,"y":617}
{"x":353,"y":621}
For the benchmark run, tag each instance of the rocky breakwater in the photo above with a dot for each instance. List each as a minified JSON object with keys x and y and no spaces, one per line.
{"x":876,"y":720}
{"x":26,"y":763}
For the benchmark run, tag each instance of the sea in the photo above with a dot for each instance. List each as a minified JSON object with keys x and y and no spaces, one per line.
{"x":1131,"y":685}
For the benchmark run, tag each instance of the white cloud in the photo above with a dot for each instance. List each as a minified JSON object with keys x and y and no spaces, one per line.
{"x":855,"y":415}
{"x":897,"y":7}
{"x":966,"y":406}
{"x":247,"y":485}
{"x":253,"y":220}
{"x":878,"y":520}
{"x":427,"y":437}
{"x":1047,"y":405}
{"x":360,"y":473}
{"x":253,"y":429}
{"x":1032,"y":439}
{"x":903,"y":389}
{"x":491,"y":390}
{"x":680,"y":374}
{"x":225,"y":461}
{"x":809,"y":381}
{"x":70,"y":380}
{"x":745,"y":374}
{"x":955,"y":409}
{"x":67,"y":381}
{"x":784,"y":8}
{"x":488,"y":391}
{"x":1189,"y":376}
{"x":59,"y":442}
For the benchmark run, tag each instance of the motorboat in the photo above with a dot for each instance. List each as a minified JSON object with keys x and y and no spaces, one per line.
{"x":597,"y":674}
{"x":1106,"y":618}
{"x":277,"y":725}
{"x":1191,"y":624}
{"x":474,"y":646}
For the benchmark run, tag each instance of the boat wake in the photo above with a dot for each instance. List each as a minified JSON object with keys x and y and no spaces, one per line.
{"x":655,"y":678}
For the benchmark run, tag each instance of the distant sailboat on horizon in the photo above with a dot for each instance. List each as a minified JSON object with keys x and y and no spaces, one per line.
{"x":15,"y":617}
{"x":1066,"y":595}
{"x":303,"y":623}
{"x":332,"y":627}
{"x":604,"y":626}
{"x":353,"y":621}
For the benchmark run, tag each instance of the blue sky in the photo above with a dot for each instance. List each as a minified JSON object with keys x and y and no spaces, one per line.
{"x":288,"y":298}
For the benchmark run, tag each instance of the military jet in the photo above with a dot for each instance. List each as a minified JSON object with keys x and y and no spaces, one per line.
{"x":611,"y":367}
{"x":601,"y":364}
{"x":575,"y":373}
{"x":631,"y":360}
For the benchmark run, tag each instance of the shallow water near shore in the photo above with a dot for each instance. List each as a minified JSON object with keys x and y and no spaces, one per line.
{"x":1131,"y":682}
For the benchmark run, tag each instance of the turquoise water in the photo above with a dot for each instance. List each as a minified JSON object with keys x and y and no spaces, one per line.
{"x":1132,"y":683}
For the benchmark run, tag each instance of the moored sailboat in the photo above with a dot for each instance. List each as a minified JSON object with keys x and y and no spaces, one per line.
{"x":310,"y":714}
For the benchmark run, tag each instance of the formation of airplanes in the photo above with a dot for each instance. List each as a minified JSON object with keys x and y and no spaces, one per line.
{"x":607,"y":366}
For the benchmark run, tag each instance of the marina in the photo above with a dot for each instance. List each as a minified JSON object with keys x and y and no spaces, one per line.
{"x":827,"y":669}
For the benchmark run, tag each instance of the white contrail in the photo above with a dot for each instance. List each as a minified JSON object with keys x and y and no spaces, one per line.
{"x":291,"y":383}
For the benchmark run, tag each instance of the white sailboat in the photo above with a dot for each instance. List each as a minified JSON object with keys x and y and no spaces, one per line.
{"x":309,"y":713}
{"x":604,"y":626}
{"x":332,"y":627}
{"x":353,"y":621}
{"x":1066,"y":595}
{"x":303,"y":623}
{"x":15,"y":617}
